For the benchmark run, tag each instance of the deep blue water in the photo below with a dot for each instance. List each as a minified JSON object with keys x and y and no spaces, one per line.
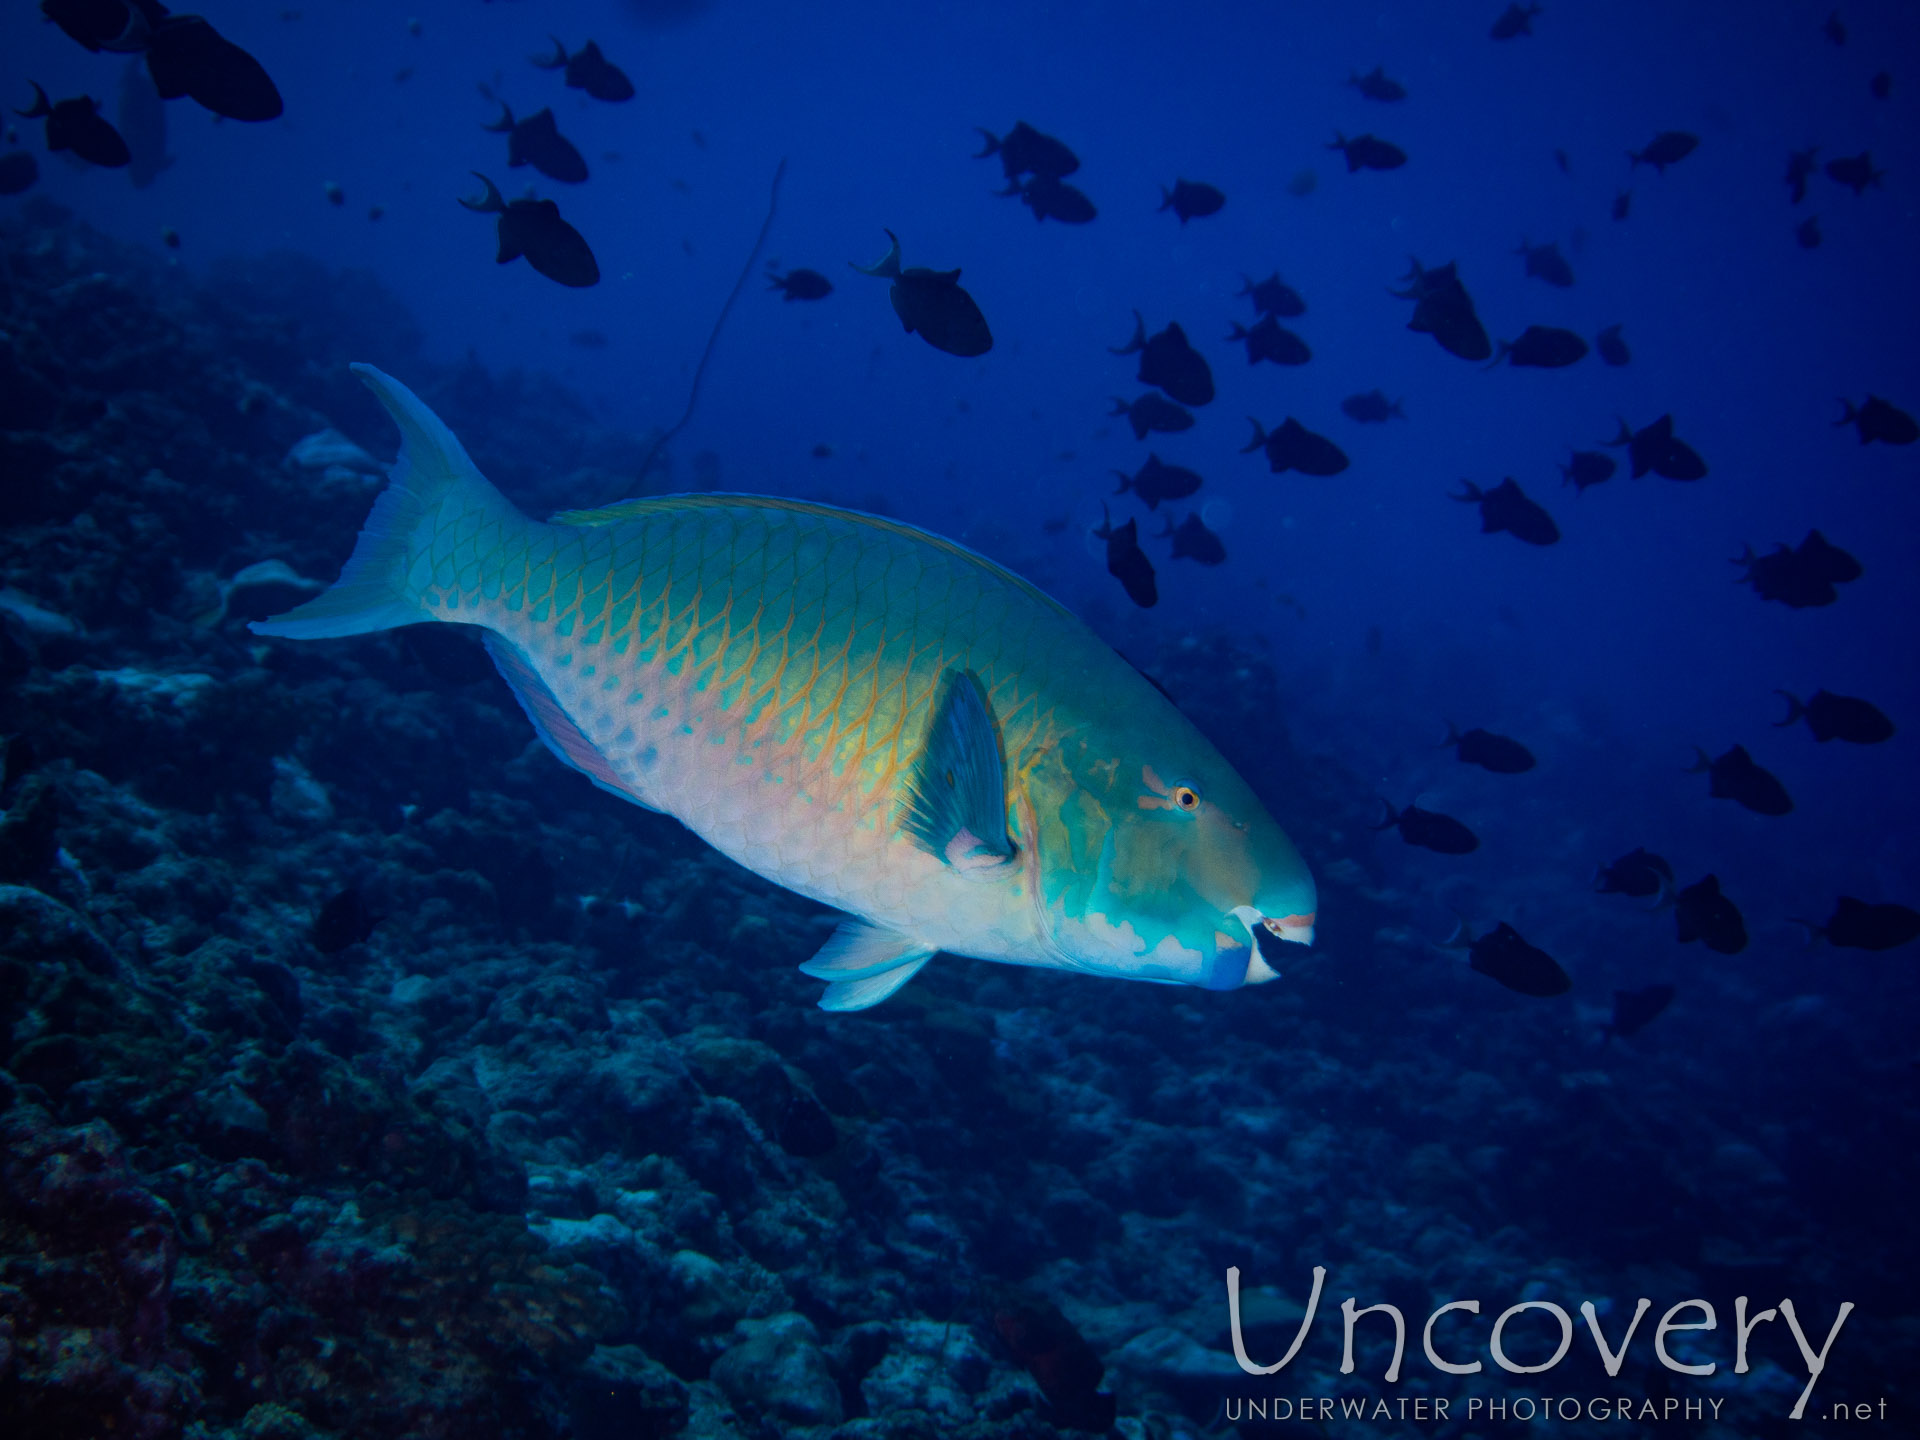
{"x":1382,"y":611}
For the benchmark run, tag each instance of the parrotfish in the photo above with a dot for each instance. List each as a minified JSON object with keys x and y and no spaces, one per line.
{"x":866,"y":713}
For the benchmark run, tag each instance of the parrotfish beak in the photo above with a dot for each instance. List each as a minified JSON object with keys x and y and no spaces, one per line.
{"x":1296,"y":929}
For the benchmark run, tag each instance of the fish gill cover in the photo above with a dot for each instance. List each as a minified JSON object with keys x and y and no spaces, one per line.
{"x":364,"y":1070}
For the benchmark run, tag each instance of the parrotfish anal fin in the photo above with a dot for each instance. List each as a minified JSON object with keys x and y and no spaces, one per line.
{"x":844,"y":995}
{"x":859,"y":949}
{"x":957,"y":794}
{"x":552,"y":723}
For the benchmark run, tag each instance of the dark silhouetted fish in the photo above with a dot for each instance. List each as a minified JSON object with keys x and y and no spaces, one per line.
{"x":77,"y":126}
{"x":1502,"y":955}
{"x":1046,"y":1344}
{"x":1514,"y":21}
{"x":104,"y":24}
{"x":1835,"y":29}
{"x":1506,"y":507}
{"x":1192,"y":540}
{"x":1856,"y":172}
{"x":187,"y":56}
{"x":1169,"y":362}
{"x":1444,"y":310}
{"x":1191,"y":199}
{"x":1641,"y":874}
{"x":1372,"y":408}
{"x":345,"y":920}
{"x":931,"y":304}
{"x":1156,"y":481}
{"x":1800,"y":168}
{"x":1669,"y":147}
{"x":1880,"y":420}
{"x":1560,"y":159}
{"x":534,"y":229}
{"x":1838,"y":717}
{"x":142,"y":118}
{"x":1612,"y":348}
{"x":1655,"y":448}
{"x":1026,"y":151}
{"x":1128,"y":563}
{"x":1430,"y":830}
{"x":1807,"y":232}
{"x":1542,"y":347}
{"x":1376,"y":86}
{"x":1701,"y":912}
{"x":1153,"y":412}
{"x":1369,"y":152}
{"x":1881,"y":85}
{"x":1783,"y":576}
{"x":1634,"y":1010}
{"x":1052,"y":199}
{"x":587,"y":69}
{"x":1270,"y":340}
{"x":537,"y":141}
{"x":1545,"y":262}
{"x":18,"y":171}
{"x":1623,"y":205}
{"x":1273,"y":296}
{"x":1294,"y":447}
{"x":1735,"y":776}
{"x":1860,"y":926}
{"x":1498,"y":753}
{"x":1587,"y":467}
{"x":800,"y":284}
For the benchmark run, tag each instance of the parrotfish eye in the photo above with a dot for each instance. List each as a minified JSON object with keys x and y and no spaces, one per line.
{"x":1186,"y":797}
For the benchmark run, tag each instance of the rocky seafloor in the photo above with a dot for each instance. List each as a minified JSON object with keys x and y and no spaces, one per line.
{"x":563,"y":1147}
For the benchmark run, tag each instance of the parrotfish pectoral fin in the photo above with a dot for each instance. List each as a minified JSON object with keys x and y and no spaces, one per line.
{"x":957,"y":793}
{"x":844,"y":995}
{"x":860,"y":949}
{"x":434,"y":496}
{"x":552,"y":723}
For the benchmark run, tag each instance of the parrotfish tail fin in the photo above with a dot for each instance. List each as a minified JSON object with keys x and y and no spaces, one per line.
{"x":41,"y":106}
{"x":1120,"y":407}
{"x":993,"y":143}
{"x":1259,"y":437}
{"x":1339,"y":141}
{"x":1246,"y":284}
{"x":1461,"y":936}
{"x":505,"y":123}
{"x":1702,"y":763}
{"x":1794,"y":710}
{"x":1848,"y":418}
{"x":1166,"y":534}
{"x":555,"y":61}
{"x":1105,"y":532}
{"x":1453,"y":737}
{"x":1499,"y":355}
{"x":488,"y":204}
{"x":1473,"y":496}
{"x":863,"y":964}
{"x":1745,"y":560}
{"x":1013,"y":188}
{"x":887,"y":267}
{"x":1634,"y":156}
{"x":1393,"y":818}
{"x":1126,"y":482}
{"x":1139,"y":340}
{"x":1625,"y":435}
{"x":1394,"y":409}
{"x":776,"y":281}
{"x":1239,"y":332}
{"x":436,"y":507}
{"x":1663,"y":896}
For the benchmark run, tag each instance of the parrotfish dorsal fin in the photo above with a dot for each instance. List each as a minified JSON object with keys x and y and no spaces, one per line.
{"x":957,"y":794}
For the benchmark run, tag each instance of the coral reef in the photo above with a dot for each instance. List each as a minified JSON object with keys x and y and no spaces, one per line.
{"x":555,"y":1143}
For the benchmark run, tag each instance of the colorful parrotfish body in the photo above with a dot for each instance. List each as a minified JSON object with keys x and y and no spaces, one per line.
{"x":860,"y":711}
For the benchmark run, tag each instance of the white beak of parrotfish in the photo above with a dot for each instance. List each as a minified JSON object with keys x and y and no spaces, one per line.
{"x":1296,"y":929}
